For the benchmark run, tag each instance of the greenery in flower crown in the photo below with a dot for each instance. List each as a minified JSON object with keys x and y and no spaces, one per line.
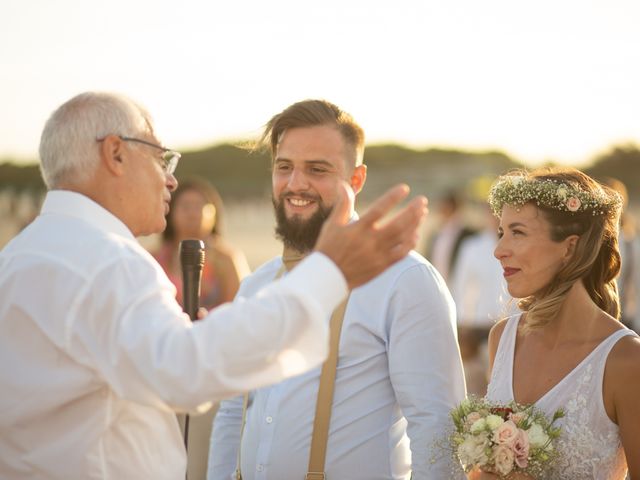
{"x":518,"y":190}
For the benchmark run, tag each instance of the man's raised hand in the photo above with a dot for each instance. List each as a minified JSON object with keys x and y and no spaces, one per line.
{"x":365,"y":248}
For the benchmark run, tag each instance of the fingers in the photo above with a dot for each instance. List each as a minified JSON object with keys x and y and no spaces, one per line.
{"x":364,"y":248}
{"x":341,"y":212}
{"x":400,"y":235}
{"x":405,"y":222}
{"x":201,"y":313}
{"x":384,"y":204}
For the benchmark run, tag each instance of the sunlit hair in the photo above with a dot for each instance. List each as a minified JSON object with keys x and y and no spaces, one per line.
{"x":210,"y":195}
{"x":311,"y":113}
{"x":596,"y":259}
{"x":68,"y":148}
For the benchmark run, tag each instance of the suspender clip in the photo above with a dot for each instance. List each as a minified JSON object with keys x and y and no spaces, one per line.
{"x":315,"y":476}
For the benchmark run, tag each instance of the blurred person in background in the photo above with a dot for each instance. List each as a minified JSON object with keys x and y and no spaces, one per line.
{"x":197,"y":212}
{"x":629,"y":279}
{"x":444,"y":245}
{"x":480,"y":293}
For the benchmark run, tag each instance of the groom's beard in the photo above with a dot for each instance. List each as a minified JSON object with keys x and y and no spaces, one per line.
{"x":296,"y":233}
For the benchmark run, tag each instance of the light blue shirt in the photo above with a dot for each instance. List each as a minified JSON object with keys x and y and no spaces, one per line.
{"x":399,"y":374}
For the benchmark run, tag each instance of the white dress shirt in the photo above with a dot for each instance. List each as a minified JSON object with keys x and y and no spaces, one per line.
{"x":399,"y":374}
{"x":478,"y":285}
{"x":96,"y":354}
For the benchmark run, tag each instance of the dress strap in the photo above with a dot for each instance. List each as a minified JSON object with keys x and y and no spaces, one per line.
{"x":502,"y":370}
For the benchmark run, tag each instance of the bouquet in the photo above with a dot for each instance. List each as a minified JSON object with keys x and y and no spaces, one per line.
{"x":503,"y":439}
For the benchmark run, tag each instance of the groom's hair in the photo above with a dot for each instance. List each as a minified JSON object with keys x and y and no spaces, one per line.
{"x":312,"y":113}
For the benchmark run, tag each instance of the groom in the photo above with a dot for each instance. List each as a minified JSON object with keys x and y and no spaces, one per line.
{"x":398,"y":371}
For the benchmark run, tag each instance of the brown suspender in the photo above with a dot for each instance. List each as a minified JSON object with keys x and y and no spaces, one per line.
{"x":324,"y":401}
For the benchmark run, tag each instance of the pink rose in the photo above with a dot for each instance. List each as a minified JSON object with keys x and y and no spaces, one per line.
{"x":505,"y":434}
{"x":503,"y":459}
{"x":472,"y":418}
{"x":517,"y":417}
{"x":573,"y":204}
{"x":520,"y":448}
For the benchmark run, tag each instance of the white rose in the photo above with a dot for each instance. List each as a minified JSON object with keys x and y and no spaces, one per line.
{"x":537,"y":437}
{"x":478,"y":426}
{"x":494,"y":421}
{"x":473,"y":451}
{"x":503,"y":459}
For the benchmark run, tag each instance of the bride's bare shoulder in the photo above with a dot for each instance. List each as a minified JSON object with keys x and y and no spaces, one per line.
{"x":621,"y":393}
{"x":624,"y":358}
{"x":496,"y":332}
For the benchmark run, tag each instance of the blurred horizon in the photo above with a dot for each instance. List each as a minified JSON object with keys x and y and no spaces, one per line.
{"x":585,"y":163}
{"x":542,"y":82}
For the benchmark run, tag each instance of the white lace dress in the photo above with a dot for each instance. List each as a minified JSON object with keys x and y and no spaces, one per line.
{"x":589,"y":446}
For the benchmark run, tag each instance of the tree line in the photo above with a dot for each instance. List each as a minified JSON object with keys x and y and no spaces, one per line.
{"x":243,"y":174}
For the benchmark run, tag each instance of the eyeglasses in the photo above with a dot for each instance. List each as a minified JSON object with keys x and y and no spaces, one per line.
{"x":169,"y":157}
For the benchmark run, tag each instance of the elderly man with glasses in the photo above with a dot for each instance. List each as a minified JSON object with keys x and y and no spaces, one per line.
{"x":96,"y":352}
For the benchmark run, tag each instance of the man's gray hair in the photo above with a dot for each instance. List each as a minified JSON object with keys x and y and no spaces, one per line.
{"x":69,"y":151}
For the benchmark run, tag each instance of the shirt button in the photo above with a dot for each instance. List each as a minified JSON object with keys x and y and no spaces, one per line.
{"x":259,"y":468}
{"x":269,"y":419}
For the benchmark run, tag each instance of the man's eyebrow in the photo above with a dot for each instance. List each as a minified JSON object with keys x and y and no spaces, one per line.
{"x":319,"y":162}
{"x":307,"y":162}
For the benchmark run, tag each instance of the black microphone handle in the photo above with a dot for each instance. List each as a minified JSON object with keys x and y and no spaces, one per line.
{"x":192,"y":261}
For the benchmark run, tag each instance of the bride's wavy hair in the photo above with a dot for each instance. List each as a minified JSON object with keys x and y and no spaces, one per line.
{"x":596,"y":257}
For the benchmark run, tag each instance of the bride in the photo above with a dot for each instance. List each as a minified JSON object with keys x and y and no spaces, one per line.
{"x":558,"y":249}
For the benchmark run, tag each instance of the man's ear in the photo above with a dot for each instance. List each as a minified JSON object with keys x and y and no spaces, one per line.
{"x":112,"y":155}
{"x":358,"y":177}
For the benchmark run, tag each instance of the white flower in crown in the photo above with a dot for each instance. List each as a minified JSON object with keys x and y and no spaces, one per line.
{"x":516,"y":180}
{"x":573,"y":204}
{"x":562,"y":192}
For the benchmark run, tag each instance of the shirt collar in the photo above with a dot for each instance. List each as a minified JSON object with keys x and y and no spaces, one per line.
{"x":73,"y":204}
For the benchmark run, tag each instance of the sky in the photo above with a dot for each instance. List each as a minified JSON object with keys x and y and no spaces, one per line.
{"x":547,"y":80}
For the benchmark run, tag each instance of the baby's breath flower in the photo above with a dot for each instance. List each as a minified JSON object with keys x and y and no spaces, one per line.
{"x":517,"y":190}
{"x":562,"y":192}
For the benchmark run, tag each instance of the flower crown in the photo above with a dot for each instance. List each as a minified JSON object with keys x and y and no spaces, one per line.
{"x":518,"y":190}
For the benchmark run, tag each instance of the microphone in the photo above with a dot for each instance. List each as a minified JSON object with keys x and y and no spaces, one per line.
{"x":192,"y":261}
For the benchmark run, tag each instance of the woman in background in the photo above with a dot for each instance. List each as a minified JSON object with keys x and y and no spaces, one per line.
{"x":196,"y":212}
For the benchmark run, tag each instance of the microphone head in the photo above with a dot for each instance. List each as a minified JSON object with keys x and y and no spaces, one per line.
{"x":192,"y":253}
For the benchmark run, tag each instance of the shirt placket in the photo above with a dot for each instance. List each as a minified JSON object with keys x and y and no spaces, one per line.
{"x":266,"y":429}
